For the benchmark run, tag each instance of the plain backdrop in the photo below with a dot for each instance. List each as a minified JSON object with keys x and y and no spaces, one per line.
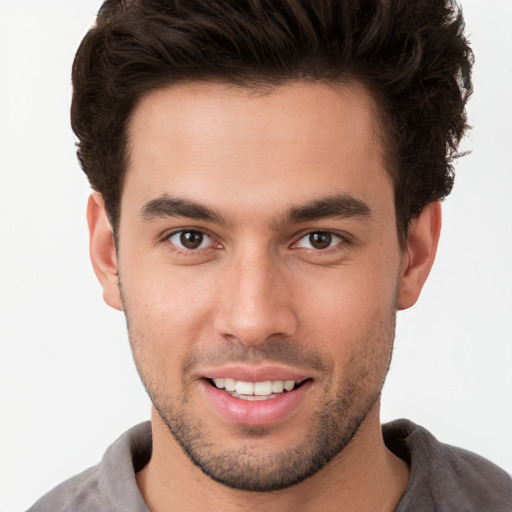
{"x":67,"y":381}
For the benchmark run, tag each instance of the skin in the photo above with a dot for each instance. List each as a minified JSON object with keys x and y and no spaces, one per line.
{"x":257,"y":293}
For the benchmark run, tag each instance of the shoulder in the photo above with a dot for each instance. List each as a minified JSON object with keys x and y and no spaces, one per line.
{"x":445,"y":477}
{"x":73,"y":493}
{"x":109,"y":486}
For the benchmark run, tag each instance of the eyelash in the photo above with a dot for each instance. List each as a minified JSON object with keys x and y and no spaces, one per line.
{"x":189,"y":252}
{"x":343,"y":241}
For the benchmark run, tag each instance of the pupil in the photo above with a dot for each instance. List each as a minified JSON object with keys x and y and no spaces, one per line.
{"x":191,"y":239}
{"x":320,"y":240}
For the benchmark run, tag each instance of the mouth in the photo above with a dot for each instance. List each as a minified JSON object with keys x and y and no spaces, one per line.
{"x":256,"y":398}
{"x":256,"y":391}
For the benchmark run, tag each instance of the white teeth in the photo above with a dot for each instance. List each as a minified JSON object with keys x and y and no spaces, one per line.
{"x":220,"y":383}
{"x":230,"y":384}
{"x":263,"y":388}
{"x":277,"y":386}
{"x":244,"y":388}
{"x":254,"y":390}
{"x":254,"y":398}
{"x":289,"y":385}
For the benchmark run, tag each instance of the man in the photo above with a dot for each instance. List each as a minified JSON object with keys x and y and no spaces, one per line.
{"x":267,"y":181}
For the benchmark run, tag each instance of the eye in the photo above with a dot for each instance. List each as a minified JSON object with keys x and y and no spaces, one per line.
{"x":319,"y":240}
{"x":190,"y":240}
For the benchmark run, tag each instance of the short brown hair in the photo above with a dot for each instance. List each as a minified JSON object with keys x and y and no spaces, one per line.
{"x":411,"y":55}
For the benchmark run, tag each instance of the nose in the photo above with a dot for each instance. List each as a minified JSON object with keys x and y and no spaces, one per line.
{"x":255,"y":300}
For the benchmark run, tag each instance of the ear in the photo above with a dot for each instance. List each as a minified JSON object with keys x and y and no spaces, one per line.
{"x":418,"y":258}
{"x":102,"y":250}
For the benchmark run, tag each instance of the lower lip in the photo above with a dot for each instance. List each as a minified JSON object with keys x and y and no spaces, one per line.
{"x":255,"y":413}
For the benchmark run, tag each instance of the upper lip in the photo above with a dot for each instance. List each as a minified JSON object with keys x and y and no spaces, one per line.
{"x":248,"y":373}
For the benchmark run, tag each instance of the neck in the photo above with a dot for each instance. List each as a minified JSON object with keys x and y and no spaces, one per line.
{"x":364,"y":476}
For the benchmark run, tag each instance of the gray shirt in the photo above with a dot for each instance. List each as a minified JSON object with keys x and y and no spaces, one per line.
{"x":443,"y":478}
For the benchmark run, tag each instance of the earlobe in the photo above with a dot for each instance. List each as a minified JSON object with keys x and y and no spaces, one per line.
{"x":418,"y":258}
{"x":102,"y":250}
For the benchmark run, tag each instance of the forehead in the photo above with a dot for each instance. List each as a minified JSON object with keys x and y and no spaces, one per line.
{"x":233,"y":145}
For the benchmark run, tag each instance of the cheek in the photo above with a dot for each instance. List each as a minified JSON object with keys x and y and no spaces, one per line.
{"x":165,"y":294}
{"x":348,"y":296}
{"x":352,"y":316}
{"x":166,"y":313}
{"x":161,"y":334}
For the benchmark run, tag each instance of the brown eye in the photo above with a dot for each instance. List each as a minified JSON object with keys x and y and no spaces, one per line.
{"x":190,"y":239}
{"x":320,"y":240}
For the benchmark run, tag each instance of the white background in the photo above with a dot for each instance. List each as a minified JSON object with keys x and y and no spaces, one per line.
{"x":67,"y":382}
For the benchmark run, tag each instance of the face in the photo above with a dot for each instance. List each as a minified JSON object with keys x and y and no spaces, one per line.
{"x":260,"y":270}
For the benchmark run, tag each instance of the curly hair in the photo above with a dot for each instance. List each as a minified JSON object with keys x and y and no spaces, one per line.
{"x":413,"y":57}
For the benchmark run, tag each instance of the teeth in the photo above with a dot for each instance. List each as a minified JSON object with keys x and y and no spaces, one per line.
{"x":230,"y":384}
{"x":220,"y":383}
{"x":263,"y":388}
{"x":244,"y":388}
{"x":277,"y":386}
{"x":289,"y":385}
{"x":254,"y":398}
{"x":253,"y":390}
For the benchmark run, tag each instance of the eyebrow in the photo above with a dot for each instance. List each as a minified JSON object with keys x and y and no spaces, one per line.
{"x":336,"y":206}
{"x":166,"y":206}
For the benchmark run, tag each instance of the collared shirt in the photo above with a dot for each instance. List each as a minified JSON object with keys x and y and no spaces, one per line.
{"x":443,"y":478}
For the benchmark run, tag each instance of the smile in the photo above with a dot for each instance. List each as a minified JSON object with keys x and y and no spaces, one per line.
{"x":255,"y":391}
{"x":262,"y":401}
